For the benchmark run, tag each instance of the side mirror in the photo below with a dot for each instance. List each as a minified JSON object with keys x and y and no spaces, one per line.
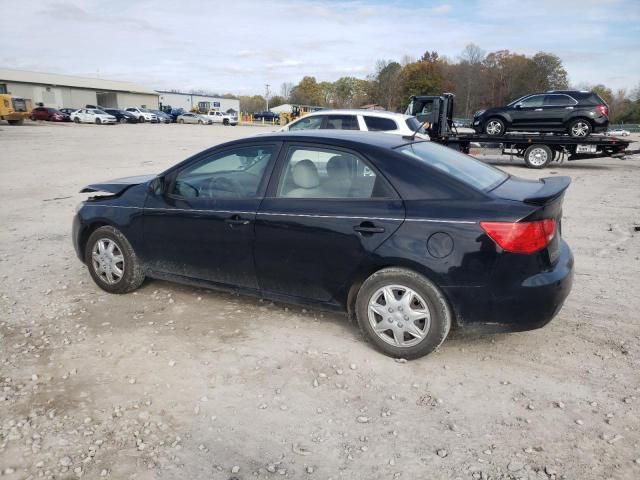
{"x":518,"y":106}
{"x":156,"y":186}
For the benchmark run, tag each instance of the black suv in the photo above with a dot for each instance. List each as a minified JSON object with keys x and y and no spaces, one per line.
{"x":574,"y":112}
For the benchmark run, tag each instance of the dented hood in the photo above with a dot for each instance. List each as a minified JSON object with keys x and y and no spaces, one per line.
{"x":118,"y":185}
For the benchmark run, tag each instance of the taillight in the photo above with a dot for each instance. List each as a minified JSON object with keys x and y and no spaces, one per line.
{"x":603,"y":110}
{"x":521,"y":237}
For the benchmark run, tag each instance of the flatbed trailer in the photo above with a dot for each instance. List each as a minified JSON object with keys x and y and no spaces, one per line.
{"x":537,"y":149}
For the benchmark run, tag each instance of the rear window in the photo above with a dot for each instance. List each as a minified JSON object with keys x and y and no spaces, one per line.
{"x":413,"y":123}
{"x":379,"y":124}
{"x":462,"y":167}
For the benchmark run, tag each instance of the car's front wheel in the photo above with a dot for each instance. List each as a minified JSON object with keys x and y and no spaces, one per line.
{"x":140,"y":119}
{"x":112,"y":262}
{"x":98,"y":121}
{"x":76,"y":120}
{"x":402,"y":313}
{"x":579,"y":128}
{"x":494,"y":127}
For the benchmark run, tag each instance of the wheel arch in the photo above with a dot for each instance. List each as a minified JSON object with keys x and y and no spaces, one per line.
{"x":353,"y":287}
{"x":89,"y":228}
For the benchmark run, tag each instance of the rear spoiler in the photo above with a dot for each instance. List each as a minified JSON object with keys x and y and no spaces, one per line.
{"x":552,"y":187}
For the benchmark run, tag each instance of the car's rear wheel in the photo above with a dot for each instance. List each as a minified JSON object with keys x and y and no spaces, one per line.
{"x":112,"y":263}
{"x":580,"y":128}
{"x":225,"y":122}
{"x":538,"y":156}
{"x":494,"y":127}
{"x":402,"y":313}
{"x":123,"y":120}
{"x":181,"y":121}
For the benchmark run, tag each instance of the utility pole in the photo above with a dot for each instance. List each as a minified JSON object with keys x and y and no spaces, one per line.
{"x":267,"y":95}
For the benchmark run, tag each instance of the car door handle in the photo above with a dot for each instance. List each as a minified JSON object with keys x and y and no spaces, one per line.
{"x":236,"y":220}
{"x":368,"y":228}
{"x":538,"y":110}
{"x":568,"y":108}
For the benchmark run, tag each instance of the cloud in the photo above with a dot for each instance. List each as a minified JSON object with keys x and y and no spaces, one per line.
{"x":248,"y":43}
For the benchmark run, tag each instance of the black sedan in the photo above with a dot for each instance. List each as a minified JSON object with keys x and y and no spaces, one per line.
{"x":122,"y":116}
{"x":409,"y":237}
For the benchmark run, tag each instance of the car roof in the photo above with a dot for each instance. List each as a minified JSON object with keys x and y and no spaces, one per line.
{"x":378,"y":139}
{"x":359,"y":111}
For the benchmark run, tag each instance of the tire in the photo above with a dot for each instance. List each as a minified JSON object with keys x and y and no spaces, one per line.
{"x":98,"y":121}
{"x":132,"y":272}
{"x":181,"y":121}
{"x":433,"y":328}
{"x":538,"y":156}
{"x":579,"y":128}
{"x":200,"y":122}
{"x":225,"y":122}
{"x":494,"y":127}
{"x":76,"y":120}
{"x":140,"y":119}
{"x":123,"y":120}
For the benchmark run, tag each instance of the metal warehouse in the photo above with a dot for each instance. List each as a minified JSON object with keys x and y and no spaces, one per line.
{"x":66,"y":91}
{"x":190,"y":101}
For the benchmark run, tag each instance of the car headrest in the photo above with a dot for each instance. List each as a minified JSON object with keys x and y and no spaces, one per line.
{"x":338,"y":167}
{"x":305,"y":174}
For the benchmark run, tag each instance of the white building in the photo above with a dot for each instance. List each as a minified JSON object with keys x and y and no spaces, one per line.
{"x":67,"y":91}
{"x":284,"y":108}
{"x":187,"y":101}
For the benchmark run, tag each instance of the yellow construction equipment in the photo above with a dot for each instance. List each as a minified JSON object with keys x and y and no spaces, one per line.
{"x":297,"y":111}
{"x":14,"y":109}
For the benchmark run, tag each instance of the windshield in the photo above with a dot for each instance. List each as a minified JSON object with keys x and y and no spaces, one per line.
{"x":99,"y":112}
{"x":462,"y":167}
{"x":413,"y":123}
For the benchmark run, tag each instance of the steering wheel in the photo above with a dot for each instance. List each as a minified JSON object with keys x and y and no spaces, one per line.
{"x":223,"y":184}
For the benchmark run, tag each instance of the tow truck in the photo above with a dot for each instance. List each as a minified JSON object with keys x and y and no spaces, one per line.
{"x":537,"y":149}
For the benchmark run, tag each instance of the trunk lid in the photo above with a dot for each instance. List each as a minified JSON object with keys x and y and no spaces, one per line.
{"x":545,"y":196}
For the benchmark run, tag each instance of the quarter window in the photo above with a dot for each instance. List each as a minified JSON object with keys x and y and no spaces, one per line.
{"x":341,"y":122}
{"x":379,"y":124}
{"x":308,"y":123}
{"x":233,"y":173}
{"x":325,"y":173}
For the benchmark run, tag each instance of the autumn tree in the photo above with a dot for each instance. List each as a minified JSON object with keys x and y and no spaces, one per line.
{"x":307,"y":92}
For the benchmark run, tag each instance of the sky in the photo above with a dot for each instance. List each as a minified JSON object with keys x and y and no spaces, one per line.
{"x":239,"y":46}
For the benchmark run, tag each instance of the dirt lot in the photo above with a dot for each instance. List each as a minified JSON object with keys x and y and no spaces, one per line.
{"x":173,"y":382}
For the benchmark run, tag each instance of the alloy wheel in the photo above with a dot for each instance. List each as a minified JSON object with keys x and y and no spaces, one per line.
{"x":107,"y":261}
{"x":580,"y":129}
{"x":399,"y":315}
{"x":494,"y":127}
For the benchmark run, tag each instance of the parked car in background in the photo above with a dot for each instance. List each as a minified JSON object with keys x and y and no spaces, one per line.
{"x":364,"y":120}
{"x":267,"y":116}
{"x":189,"y":117}
{"x":409,"y":237}
{"x":68,"y":111}
{"x":162,"y":117}
{"x":224,"y":118}
{"x":92,"y":115}
{"x":174,"y":113}
{"x":122,"y":116}
{"x":578,"y":113}
{"x":619,"y":132}
{"x":143,"y":114}
{"x":49,"y":114}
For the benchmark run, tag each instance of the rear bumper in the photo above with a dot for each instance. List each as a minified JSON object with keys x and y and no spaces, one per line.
{"x":526,"y":305}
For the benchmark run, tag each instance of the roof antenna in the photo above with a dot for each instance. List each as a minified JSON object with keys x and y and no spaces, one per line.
{"x":413,"y":137}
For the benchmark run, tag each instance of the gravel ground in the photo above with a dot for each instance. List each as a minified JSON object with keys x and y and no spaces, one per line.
{"x":174,"y":382}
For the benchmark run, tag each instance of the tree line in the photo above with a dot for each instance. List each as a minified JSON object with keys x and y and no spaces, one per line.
{"x":478,"y":79}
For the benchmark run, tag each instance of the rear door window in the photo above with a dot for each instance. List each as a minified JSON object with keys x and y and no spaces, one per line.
{"x":341,"y":122}
{"x":558,"y":100}
{"x":379,"y":124}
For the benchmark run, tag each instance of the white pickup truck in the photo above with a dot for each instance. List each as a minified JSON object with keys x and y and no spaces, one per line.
{"x":224,"y":118}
